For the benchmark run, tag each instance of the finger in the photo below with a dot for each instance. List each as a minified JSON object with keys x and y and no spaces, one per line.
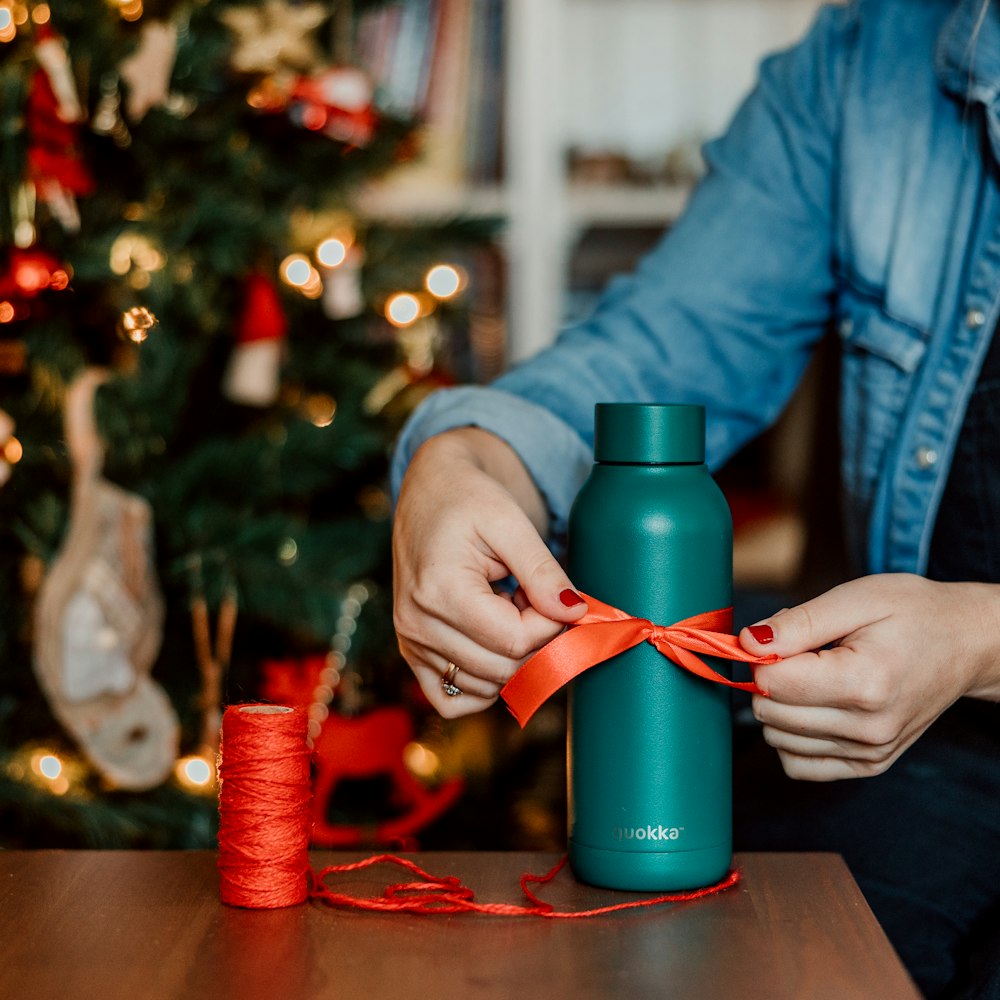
{"x":827,"y":768}
{"x":810,"y":746}
{"x":828,"y":618}
{"x":429,"y":679}
{"x":488,"y":620}
{"x":547,"y":587}
{"x":461,"y":678}
{"x":845,"y":678}
{"x":453,"y":647}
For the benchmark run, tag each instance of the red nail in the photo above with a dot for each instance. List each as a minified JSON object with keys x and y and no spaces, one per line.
{"x":762,"y":633}
{"x":570,"y":598}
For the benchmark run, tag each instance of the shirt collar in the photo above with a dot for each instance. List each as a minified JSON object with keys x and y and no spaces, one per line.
{"x":967,"y":60}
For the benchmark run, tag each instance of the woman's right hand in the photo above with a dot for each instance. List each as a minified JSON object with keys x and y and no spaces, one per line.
{"x":468,"y":516}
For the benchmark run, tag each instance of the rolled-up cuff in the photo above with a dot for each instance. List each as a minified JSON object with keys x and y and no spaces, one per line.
{"x":553,"y":453}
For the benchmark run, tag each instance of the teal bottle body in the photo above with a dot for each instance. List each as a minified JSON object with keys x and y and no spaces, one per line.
{"x":650,"y":754}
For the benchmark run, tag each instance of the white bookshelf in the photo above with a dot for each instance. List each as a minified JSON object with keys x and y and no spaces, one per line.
{"x":597,"y":74}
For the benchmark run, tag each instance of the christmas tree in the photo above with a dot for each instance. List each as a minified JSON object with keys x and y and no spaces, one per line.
{"x":205,"y":352}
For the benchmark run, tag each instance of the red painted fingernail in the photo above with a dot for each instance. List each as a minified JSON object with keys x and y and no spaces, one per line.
{"x":570,"y":598}
{"x":762,"y":633}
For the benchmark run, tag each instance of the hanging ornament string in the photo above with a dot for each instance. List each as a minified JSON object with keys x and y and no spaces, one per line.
{"x":212,"y":661}
{"x":264,"y":817}
{"x":445,"y":894}
{"x":605,"y":631}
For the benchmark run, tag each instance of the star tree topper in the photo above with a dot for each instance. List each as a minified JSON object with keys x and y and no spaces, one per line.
{"x":274,"y":35}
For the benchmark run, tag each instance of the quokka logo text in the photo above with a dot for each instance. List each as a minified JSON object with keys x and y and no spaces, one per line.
{"x":649,"y":832}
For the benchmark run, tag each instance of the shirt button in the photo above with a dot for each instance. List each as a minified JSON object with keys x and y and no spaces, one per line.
{"x":975,"y":318}
{"x":926,"y":457}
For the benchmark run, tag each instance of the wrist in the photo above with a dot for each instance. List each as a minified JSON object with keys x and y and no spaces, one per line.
{"x":494,"y":457}
{"x":984,"y":604}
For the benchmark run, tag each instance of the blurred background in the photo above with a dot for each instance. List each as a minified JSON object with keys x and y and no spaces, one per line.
{"x":238,"y":244}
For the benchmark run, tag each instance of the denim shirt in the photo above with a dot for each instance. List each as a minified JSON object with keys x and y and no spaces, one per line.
{"x":856,"y":186}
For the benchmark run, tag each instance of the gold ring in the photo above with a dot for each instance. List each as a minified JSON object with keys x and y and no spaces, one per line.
{"x":448,"y":681}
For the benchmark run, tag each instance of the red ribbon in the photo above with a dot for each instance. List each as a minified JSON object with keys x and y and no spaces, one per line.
{"x":605,"y":631}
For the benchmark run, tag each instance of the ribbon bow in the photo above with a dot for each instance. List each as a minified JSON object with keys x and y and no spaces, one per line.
{"x":604,"y":631}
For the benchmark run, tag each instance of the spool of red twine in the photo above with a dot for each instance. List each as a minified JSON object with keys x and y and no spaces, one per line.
{"x":264,"y":816}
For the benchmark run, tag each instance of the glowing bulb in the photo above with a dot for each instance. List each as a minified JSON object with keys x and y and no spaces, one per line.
{"x":41,"y":14}
{"x":49,"y":766}
{"x":12,"y":451}
{"x":443,"y":281}
{"x":331,"y":252}
{"x":6,"y":312}
{"x":131,"y":10}
{"x":321,"y":409}
{"x":6,"y":19}
{"x":135,"y":324}
{"x":296,"y":270}
{"x":288,"y":552}
{"x":195,"y":772}
{"x":403,"y":309}
{"x":420,"y":760}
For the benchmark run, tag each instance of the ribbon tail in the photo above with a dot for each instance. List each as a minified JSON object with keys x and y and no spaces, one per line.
{"x":565,"y":657}
{"x":696,"y":665}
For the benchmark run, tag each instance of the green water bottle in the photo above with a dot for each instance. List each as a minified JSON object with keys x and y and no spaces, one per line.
{"x":650,"y":751}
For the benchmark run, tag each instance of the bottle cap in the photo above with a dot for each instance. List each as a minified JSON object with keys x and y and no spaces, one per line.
{"x":649,"y":433}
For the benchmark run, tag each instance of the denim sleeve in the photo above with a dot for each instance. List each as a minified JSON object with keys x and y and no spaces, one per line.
{"x":724,"y":311}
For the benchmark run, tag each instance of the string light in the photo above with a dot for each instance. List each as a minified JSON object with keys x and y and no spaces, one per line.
{"x":49,"y":767}
{"x":130,"y":10}
{"x":288,"y":552}
{"x":41,"y":14}
{"x":402,"y":309}
{"x":12,"y":451}
{"x":444,"y":281}
{"x":421,"y":760}
{"x":135,"y":324}
{"x":134,"y":249}
{"x":195,"y":773}
{"x":6,"y":312}
{"x":8,"y":30}
{"x":20,"y":14}
{"x":297,"y":271}
{"x":320,"y":409}
{"x":335,"y":676}
{"x":331,"y":252}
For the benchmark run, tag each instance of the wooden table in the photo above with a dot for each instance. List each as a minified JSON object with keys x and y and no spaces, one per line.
{"x":131,"y":924}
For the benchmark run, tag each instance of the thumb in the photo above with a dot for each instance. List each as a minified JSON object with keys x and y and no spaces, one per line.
{"x":810,"y":626}
{"x":542,"y":580}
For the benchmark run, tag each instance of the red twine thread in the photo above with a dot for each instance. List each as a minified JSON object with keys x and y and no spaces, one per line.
{"x":441,"y":894}
{"x":264,"y":795}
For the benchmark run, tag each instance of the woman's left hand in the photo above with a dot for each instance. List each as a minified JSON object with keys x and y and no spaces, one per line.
{"x":903,"y":649}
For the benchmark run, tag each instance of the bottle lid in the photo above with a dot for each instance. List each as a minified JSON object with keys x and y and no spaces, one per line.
{"x":649,"y":433}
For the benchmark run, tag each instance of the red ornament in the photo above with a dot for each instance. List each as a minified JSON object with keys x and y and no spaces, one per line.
{"x":28,"y":273}
{"x":337,"y":101}
{"x":53,"y":114}
{"x":252,"y":377}
{"x":365,"y":746}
